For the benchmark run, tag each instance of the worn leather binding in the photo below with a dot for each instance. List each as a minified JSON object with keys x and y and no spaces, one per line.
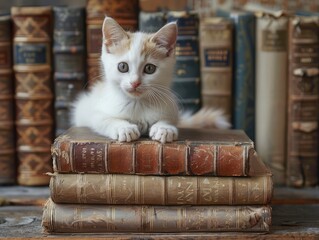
{"x":69,"y":61}
{"x":197,"y":152}
{"x":186,"y":80}
{"x":303,"y":102}
{"x":160,"y":190}
{"x":85,"y":218}
{"x":271,"y":91}
{"x":125,"y":12}
{"x":33,"y":92}
{"x":7,"y":130}
{"x":152,"y":6}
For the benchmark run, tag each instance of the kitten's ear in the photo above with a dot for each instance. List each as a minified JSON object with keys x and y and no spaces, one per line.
{"x":112,"y":32}
{"x":166,"y":37}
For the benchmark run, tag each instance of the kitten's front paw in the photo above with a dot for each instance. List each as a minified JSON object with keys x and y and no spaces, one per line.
{"x":163,"y":133}
{"x":128,"y":133}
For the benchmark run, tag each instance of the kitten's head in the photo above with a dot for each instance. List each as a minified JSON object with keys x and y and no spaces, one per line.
{"x":138,"y":63}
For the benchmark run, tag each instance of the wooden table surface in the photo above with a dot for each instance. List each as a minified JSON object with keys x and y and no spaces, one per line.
{"x":295,"y":216}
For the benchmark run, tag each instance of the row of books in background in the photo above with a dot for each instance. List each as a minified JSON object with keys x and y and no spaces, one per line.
{"x":254,"y":65}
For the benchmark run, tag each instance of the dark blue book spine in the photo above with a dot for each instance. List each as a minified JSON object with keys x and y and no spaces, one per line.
{"x":151,"y":21}
{"x":186,"y":82}
{"x":69,"y":61}
{"x":243,"y":113}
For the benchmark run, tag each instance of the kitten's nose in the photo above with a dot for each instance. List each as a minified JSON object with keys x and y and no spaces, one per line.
{"x":135,"y":84}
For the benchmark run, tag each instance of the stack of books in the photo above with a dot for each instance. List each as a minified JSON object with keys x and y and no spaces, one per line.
{"x":207,"y":181}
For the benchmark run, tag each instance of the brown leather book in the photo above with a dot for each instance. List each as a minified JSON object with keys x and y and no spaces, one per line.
{"x":197,"y":152}
{"x":7,"y":130}
{"x":216,"y":53}
{"x":165,"y":5}
{"x":113,"y":8}
{"x":85,"y":218}
{"x":160,"y":190}
{"x":125,"y":12}
{"x":303,"y":102}
{"x":32,"y":33}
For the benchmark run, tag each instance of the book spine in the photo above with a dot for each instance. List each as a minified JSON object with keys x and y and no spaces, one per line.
{"x":119,"y":9}
{"x":303,"y":102}
{"x":69,"y":61}
{"x":151,"y":21}
{"x":186,"y":81}
{"x":243,"y":97}
{"x":169,"y":190}
{"x":7,"y":130}
{"x":33,"y":92}
{"x":271,"y":93}
{"x":216,"y":53}
{"x":151,"y":158}
{"x":76,"y":218}
{"x":125,"y":12}
{"x":160,"y":5}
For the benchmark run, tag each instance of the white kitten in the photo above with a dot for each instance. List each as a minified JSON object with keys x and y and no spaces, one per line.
{"x":134,"y":98}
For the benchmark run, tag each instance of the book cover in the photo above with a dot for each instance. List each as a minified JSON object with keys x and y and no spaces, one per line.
{"x":186,"y":80}
{"x":85,"y":218}
{"x":69,"y":61}
{"x":243,"y":88}
{"x":271,"y":91}
{"x":32,"y":33}
{"x":303,"y":102}
{"x":160,"y":190}
{"x":216,"y":54}
{"x":196,"y":152}
{"x":7,"y":129}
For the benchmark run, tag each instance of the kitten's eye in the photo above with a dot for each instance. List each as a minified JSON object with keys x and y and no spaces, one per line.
{"x":149,"y":68}
{"x":122,"y":67}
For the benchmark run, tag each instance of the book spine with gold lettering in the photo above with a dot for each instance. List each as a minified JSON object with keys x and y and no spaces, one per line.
{"x":85,"y":218}
{"x":303,"y":102}
{"x":160,"y":190}
{"x":32,"y":28}
{"x":186,"y":80}
{"x":7,"y":128}
{"x":69,"y":61}
{"x":125,"y":12}
{"x":216,"y":53}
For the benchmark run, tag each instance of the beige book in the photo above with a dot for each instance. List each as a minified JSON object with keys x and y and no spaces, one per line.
{"x":160,"y":190}
{"x":271,"y":91}
{"x":85,"y":218}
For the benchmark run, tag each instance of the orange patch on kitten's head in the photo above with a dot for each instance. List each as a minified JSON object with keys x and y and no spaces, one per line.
{"x":158,"y":45}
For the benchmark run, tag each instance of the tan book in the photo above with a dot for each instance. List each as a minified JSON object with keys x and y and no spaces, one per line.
{"x":160,"y":190}
{"x":303,"y":102}
{"x":85,"y":218}
{"x":33,"y":92}
{"x":216,"y":53}
{"x":271,"y":91}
